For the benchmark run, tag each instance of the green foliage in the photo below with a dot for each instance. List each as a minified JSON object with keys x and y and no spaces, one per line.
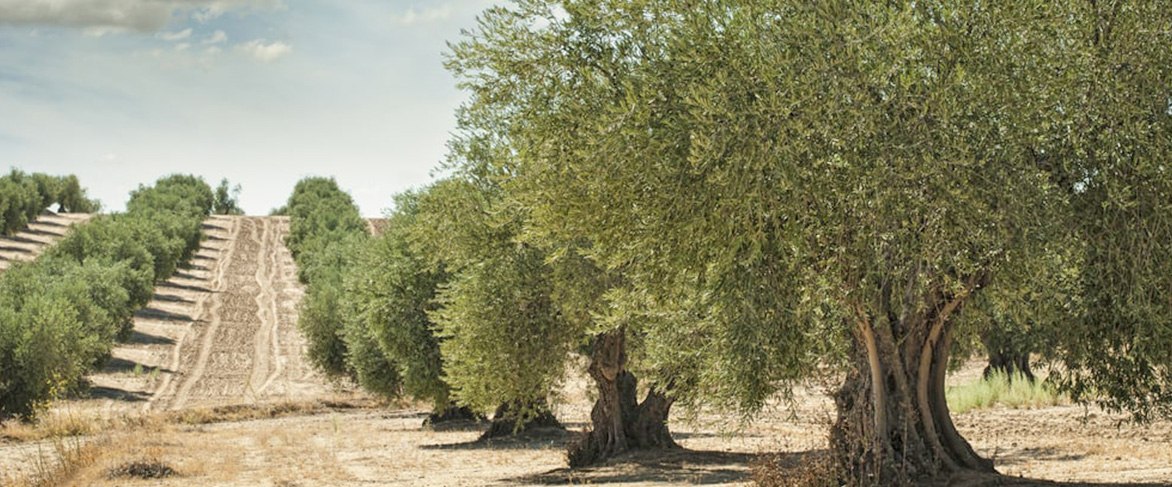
{"x":226,"y":199}
{"x":501,"y":335}
{"x":319,"y":211}
{"x":71,"y":197}
{"x":390,"y":291}
{"x":24,"y":196}
{"x":813,"y":167}
{"x":60,"y":314}
{"x":1000,"y":390}
{"x":325,"y":235}
{"x":20,"y":202}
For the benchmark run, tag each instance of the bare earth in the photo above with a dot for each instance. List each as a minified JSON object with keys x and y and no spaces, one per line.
{"x":26,"y":245}
{"x":223,"y":333}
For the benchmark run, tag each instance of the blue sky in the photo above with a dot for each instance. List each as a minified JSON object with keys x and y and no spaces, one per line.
{"x":263,"y":92}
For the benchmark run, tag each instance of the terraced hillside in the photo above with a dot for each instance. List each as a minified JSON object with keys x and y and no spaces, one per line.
{"x":221,"y":332}
{"x":41,"y":233}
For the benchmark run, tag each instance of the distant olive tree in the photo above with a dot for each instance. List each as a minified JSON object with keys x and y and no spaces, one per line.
{"x":226,"y":199}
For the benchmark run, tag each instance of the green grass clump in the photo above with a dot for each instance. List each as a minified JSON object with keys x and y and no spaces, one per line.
{"x":998,"y":389}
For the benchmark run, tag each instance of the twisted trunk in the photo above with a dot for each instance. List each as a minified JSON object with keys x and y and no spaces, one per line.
{"x":893,"y":422}
{"x":1007,"y":355}
{"x":512,"y":418}
{"x":451,"y":412}
{"x":619,"y":422}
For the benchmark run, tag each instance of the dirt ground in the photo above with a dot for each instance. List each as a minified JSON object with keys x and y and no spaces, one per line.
{"x":26,"y":245}
{"x":223,"y":333}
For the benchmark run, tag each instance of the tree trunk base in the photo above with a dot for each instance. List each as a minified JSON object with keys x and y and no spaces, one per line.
{"x":1010,"y":364}
{"x":452,"y":414}
{"x":641,"y":426}
{"x":508,"y":421}
{"x":893,"y":425}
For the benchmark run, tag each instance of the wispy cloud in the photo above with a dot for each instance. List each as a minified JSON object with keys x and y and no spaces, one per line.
{"x":174,"y":36}
{"x":101,"y":17}
{"x":217,"y":37}
{"x":266,"y":51}
{"x":423,"y":16}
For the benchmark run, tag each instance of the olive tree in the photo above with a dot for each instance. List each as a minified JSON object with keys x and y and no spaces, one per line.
{"x":391,"y":290}
{"x":503,"y":342}
{"x":857,"y":169}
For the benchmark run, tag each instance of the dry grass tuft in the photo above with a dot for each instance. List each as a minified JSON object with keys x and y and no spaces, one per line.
{"x":810,"y":469}
{"x":81,"y":445}
{"x":249,"y":412}
{"x":142,"y":469}
{"x":54,"y":467}
{"x":53,"y":425}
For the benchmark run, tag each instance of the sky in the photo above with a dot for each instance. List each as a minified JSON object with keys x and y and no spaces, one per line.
{"x":262,"y":92}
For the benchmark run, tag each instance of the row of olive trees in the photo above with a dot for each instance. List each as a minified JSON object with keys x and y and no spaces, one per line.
{"x":398,"y":312}
{"x":61,"y":314}
{"x":24,"y":196}
{"x":325,"y":234}
{"x":774,"y":189}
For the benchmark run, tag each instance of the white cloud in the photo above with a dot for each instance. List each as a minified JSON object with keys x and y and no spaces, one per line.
{"x":116,"y":15}
{"x":266,"y":51}
{"x":182,"y":46}
{"x":217,"y":37}
{"x":425,"y":16}
{"x":174,"y":36}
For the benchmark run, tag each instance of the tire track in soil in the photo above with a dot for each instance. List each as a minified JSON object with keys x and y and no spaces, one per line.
{"x":163,"y":393}
{"x":251,"y":350}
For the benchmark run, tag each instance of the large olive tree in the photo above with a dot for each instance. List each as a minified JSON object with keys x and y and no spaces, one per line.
{"x":859,"y":169}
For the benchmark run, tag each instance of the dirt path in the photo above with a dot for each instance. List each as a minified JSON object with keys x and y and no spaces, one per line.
{"x":222,"y":331}
{"x":249,"y":351}
{"x":40,"y":234}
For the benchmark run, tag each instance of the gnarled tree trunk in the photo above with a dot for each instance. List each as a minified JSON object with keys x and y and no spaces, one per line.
{"x":1007,"y":355}
{"x":451,"y":412}
{"x":511,"y":419}
{"x":619,"y":422}
{"x":893,"y":422}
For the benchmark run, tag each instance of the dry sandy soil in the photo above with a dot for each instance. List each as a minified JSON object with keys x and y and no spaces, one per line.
{"x":29,"y":243}
{"x":222,"y":333}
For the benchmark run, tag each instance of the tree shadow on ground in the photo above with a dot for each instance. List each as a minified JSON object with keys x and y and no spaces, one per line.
{"x":1036,"y":454}
{"x":707,"y":434}
{"x":18,"y":238}
{"x":998,"y":480}
{"x":171,"y":298}
{"x":537,"y":438}
{"x":19,"y":250}
{"x":779,"y":468}
{"x":674,"y":466}
{"x":50,"y":223}
{"x":185,"y":287}
{"x":158,"y":314}
{"x":100,"y":392}
{"x":140,"y":338}
{"x":182,"y":274}
{"x":117,"y":365}
{"x":45,"y":233}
